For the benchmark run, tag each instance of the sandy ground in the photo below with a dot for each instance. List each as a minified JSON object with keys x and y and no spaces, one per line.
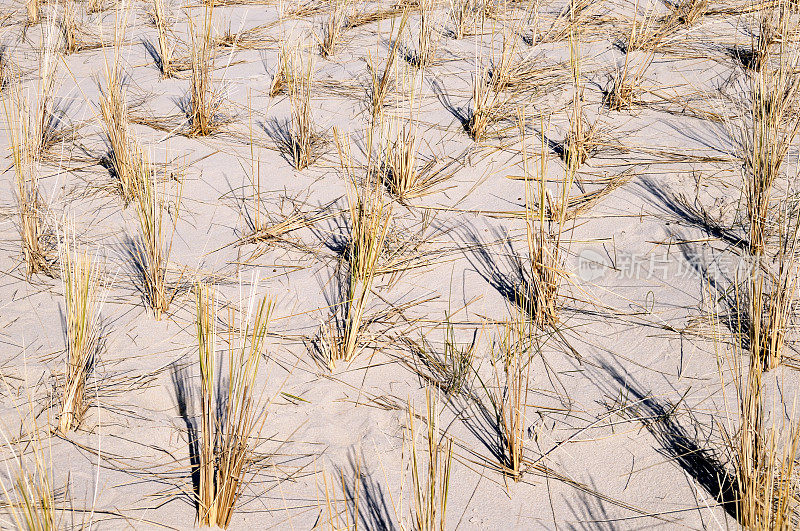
{"x":627,"y":409}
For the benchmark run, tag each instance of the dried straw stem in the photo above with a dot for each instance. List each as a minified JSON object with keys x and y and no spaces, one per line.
{"x":81,"y":283}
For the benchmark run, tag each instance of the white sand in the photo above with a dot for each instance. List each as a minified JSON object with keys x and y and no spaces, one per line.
{"x":640,"y":320}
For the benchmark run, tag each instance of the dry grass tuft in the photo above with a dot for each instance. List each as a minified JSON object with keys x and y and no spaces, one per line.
{"x":503,"y":75}
{"x":647,"y":30}
{"x":333,"y":28}
{"x":96,"y":6}
{"x":651,"y":30}
{"x":204,"y":102}
{"x":581,"y":140}
{"x":162,"y":22}
{"x":773,"y":293}
{"x":509,"y":392}
{"x":546,"y":253}
{"x":465,"y":16}
{"x":153,"y":250}
{"x":625,"y":84}
{"x":302,"y":133}
{"x":687,"y":12}
{"x":400,"y":145}
{"x":228,"y":426}
{"x":426,"y":43}
{"x":621,"y":94}
{"x":125,"y":155}
{"x":430,"y":479}
{"x":485,"y":105}
{"x":38,"y":119}
{"x":772,"y":24}
{"x":282,"y":78}
{"x":81,"y":286}
{"x":37,"y":249}
{"x":450,"y":370}
{"x":30,"y":499}
{"x":33,"y":11}
{"x":7,"y":68}
{"x":772,"y":127}
{"x":767,"y":489}
{"x":69,"y":27}
{"x":380,"y":80}
{"x":370,"y":218}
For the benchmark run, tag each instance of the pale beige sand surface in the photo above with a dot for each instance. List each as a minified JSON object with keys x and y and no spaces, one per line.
{"x":630,"y":395}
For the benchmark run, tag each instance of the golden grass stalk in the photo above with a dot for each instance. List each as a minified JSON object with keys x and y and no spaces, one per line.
{"x":458,"y":360}
{"x":69,"y":28}
{"x":426,"y":46}
{"x":206,"y":347}
{"x":370,"y":217}
{"x":767,"y":142}
{"x":31,"y":499}
{"x":510,"y":391}
{"x":32,"y":9}
{"x":126,"y":159}
{"x":768,"y":494}
{"x":282,"y":78}
{"x":765,"y":485}
{"x":38,"y":120}
{"x":485,"y":105}
{"x":380,"y":81}
{"x":539,"y":297}
{"x":580,"y":141}
{"x":464,"y":14}
{"x":340,"y":513}
{"x":400,"y":160}
{"x":517,"y":372}
{"x":430,"y":475}
{"x":228,"y":427}
{"x":302,"y":134}
{"x":751,"y":459}
{"x":333,"y":28}
{"x":153,"y":252}
{"x":623,"y":93}
{"x":688,"y":12}
{"x":96,"y":6}
{"x":81,"y":284}
{"x":160,"y":16}
{"x":34,"y":506}
{"x":204,"y":104}
{"x":644,"y":33}
{"x":773,"y":292}
{"x":242,"y":412}
{"x":768,"y":497}
{"x":36,"y":252}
